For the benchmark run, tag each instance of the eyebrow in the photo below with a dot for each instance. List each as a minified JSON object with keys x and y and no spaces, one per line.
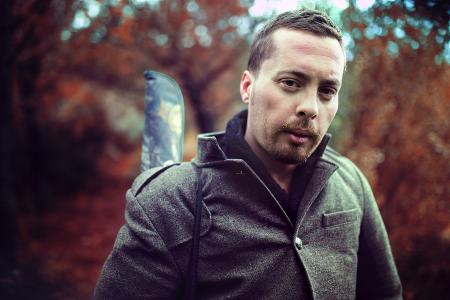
{"x":304,"y":76}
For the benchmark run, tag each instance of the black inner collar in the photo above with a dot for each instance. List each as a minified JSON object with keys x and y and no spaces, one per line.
{"x":235,"y":146}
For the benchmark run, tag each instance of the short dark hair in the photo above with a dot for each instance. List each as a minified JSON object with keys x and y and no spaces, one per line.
{"x":308,"y":20}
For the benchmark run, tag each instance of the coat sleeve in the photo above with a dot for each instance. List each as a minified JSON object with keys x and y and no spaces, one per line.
{"x":140,"y":265}
{"x":377,"y":276}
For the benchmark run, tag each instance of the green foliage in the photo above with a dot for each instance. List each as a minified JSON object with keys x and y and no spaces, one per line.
{"x":404,"y":24}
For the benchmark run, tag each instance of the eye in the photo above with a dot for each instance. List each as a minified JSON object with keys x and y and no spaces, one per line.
{"x":327,"y":92}
{"x":289,"y":84}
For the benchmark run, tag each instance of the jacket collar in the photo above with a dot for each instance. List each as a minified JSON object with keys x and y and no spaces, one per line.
{"x":209,"y":150}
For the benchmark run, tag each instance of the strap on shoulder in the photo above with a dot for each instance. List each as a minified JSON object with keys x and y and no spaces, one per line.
{"x":147,"y":176}
{"x":191,"y":279}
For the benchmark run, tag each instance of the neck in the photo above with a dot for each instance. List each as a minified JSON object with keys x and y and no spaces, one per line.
{"x":280,"y":172}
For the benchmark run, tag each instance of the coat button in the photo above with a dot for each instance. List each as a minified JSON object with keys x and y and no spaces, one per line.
{"x":298,"y":243}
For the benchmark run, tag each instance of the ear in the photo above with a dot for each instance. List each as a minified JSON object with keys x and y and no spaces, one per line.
{"x":246,"y":86}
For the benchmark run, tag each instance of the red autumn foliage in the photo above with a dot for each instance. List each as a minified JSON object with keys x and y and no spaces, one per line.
{"x":72,"y":118}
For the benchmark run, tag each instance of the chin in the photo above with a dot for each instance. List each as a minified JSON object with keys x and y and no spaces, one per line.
{"x":296,"y":161}
{"x":292,"y":157}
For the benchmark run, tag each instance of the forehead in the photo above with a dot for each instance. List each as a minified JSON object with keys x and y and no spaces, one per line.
{"x":301,"y":47}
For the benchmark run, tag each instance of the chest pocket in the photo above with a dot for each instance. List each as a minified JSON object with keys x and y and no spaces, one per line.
{"x":339,"y":218}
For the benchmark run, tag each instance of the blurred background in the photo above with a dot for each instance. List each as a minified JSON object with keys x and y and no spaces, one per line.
{"x":72,"y":106}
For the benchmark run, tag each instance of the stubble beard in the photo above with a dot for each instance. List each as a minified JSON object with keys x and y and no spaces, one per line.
{"x":287,"y":152}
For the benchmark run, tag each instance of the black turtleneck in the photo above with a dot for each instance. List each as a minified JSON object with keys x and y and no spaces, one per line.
{"x":235,"y":146}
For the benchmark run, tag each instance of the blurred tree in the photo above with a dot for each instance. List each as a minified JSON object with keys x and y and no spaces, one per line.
{"x":435,"y":11}
{"x":54,"y":140}
{"x":8,"y":227}
{"x":35,"y":36}
{"x":34,"y":33}
{"x":400,"y":132}
{"x":25,"y":32}
{"x":195,"y":41}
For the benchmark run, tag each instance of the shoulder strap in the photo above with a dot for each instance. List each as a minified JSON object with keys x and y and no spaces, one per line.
{"x":191,"y":278}
{"x":147,"y":176}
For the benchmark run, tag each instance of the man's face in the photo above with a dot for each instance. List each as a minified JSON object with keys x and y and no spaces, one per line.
{"x":294,"y":96}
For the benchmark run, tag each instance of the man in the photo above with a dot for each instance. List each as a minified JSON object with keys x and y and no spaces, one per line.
{"x":283,"y":215}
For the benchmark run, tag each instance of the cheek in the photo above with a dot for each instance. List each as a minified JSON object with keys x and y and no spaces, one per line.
{"x":278,"y":107}
{"x":266,"y":93}
{"x":264,"y":105}
{"x":271,"y":106}
{"x":334,"y":110}
{"x":328,"y":113}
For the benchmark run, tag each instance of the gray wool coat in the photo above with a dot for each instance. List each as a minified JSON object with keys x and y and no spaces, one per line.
{"x":249,"y":249}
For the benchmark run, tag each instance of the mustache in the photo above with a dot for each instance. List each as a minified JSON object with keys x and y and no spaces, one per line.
{"x":304,"y":126}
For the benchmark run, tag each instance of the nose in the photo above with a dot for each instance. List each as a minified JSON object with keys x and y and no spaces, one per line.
{"x":307,"y":105}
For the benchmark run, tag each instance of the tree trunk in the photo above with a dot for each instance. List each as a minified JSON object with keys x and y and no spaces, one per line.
{"x":203,"y":117}
{"x":35,"y":151}
{"x":8,"y":227}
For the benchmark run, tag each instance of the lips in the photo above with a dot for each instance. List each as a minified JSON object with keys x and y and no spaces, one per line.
{"x":299,"y":136}
{"x":300,"y":133}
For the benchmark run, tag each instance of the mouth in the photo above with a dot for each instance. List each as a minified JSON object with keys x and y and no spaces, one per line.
{"x":300,"y":132}
{"x":299,"y":137}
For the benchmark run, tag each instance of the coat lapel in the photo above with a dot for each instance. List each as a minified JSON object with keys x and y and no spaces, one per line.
{"x":322,"y":172}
